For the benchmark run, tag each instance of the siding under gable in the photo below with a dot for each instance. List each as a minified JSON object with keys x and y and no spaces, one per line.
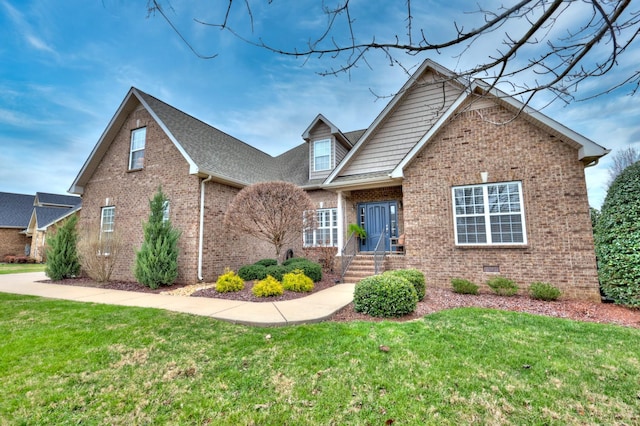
{"x":320,"y":132}
{"x":427,"y":99}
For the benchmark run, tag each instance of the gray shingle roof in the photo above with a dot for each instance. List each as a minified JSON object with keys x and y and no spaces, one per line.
{"x":213,"y":150}
{"x":44,"y":198}
{"x":46,"y":216}
{"x":15,"y":210}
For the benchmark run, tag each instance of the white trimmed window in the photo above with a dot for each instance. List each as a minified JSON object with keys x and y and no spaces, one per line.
{"x":322,"y":155}
{"x":107,"y":221}
{"x":165,"y":211}
{"x":136,"y":154}
{"x":326,"y":232}
{"x":489,"y":214}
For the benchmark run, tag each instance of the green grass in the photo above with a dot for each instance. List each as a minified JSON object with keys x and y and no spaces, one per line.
{"x":72,"y":363}
{"x":18,"y":268}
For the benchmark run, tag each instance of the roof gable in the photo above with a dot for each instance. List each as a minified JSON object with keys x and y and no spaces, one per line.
{"x":46,"y":199}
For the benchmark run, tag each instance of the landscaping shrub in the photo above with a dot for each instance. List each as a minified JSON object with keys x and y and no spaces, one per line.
{"x":544,"y":291}
{"x":62,"y":254}
{"x":278,"y":271}
{"x":617,"y":239}
{"x":503,"y":286}
{"x":464,"y":286}
{"x":415,"y":277}
{"x":268,"y":287}
{"x":297,"y":281}
{"x":228,"y":282}
{"x":385,"y":296}
{"x":294,"y":260}
{"x":266,"y":262}
{"x":311,"y":269}
{"x":252,"y":272}
{"x":157,"y":260}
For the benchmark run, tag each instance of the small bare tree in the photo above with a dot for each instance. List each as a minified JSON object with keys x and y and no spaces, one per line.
{"x":621,"y":160}
{"x":275,"y":212}
{"x":98,"y":255}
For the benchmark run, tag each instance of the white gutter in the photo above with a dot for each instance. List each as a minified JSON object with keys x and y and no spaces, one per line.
{"x":201,"y":241}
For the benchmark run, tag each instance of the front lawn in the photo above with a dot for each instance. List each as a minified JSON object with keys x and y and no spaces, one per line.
{"x":17,"y":268}
{"x":65,"y":362}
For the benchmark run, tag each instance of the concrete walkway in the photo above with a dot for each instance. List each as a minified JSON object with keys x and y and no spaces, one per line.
{"x":313,"y":308}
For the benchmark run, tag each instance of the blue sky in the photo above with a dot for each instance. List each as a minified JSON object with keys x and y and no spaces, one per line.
{"x":65,"y":67}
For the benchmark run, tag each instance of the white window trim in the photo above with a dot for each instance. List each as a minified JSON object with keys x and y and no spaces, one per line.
{"x":487,"y":215}
{"x":132,"y":150}
{"x":113,"y":223}
{"x":166,"y":206}
{"x":333,"y":242}
{"x":315,"y":143}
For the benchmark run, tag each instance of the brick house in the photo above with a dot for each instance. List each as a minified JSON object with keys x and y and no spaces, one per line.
{"x":453,"y":177}
{"x":25,"y":221}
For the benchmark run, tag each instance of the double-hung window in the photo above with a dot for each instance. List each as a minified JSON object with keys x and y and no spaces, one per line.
{"x":489,"y":214}
{"x":107,"y":221}
{"x":322,"y":155}
{"x":136,"y":154}
{"x":326,"y":232}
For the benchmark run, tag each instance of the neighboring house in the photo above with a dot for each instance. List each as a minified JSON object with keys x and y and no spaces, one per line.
{"x":25,"y":220}
{"x":15,"y":211}
{"x":48,"y":211}
{"x":453,"y":177}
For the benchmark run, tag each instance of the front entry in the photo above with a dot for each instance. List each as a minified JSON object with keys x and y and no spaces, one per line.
{"x":377,"y":218}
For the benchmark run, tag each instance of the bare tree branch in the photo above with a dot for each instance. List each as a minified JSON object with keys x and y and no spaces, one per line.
{"x":563,"y":58}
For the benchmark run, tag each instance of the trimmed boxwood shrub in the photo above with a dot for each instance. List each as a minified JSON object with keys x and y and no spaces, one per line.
{"x":617,"y":239}
{"x":544,"y":291}
{"x":415,"y":277}
{"x":297,"y":281}
{"x":266,"y":262}
{"x":462,"y":286}
{"x":278,"y":271}
{"x":268,"y":287}
{"x":311,"y":269}
{"x":385,"y":296}
{"x":252,"y":272}
{"x":502,"y":286}
{"x":228,"y":282}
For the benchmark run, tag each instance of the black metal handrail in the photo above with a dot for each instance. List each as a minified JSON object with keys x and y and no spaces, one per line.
{"x":378,"y":253}
{"x":348,"y":253}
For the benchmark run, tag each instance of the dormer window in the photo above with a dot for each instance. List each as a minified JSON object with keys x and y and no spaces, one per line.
{"x":322,"y":155}
{"x":136,"y":154}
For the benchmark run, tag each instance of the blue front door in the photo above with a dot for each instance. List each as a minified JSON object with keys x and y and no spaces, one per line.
{"x":377,"y":218}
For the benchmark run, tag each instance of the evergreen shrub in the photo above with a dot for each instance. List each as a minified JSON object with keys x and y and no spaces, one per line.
{"x":502,"y":286}
{"x":268,"y":287}
{"x":266,"y":262}
{"x":229,"y":282}
{"x":385,"y":296}
{"x":617,"y":239}
{"x":252,"y":272}
{"x":297,"y":281}
{"x":415,"y":277}
{"x":544,"y":291}
{"x":62,"y":253}
{"x":462,"y":286}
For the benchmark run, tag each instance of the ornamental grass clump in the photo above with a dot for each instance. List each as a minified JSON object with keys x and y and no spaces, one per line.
{"x":297,"y":281}
{"x":415,"y":277}
{"x":385,"y":296}
{"x":544,"y":291}
{"x":462,"y":286}
{"x":229,"y":282}
{"x":503,"y":286}
{"x":268,"y":287}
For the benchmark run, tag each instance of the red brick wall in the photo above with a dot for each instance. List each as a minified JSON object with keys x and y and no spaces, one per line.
{"x":560,"y":243}
{"x":12,"y":242}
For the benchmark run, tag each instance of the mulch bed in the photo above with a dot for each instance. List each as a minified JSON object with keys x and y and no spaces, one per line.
{"x":437,"y":299}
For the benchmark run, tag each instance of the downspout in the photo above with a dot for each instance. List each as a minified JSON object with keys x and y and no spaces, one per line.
{"x":201,"y":240}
